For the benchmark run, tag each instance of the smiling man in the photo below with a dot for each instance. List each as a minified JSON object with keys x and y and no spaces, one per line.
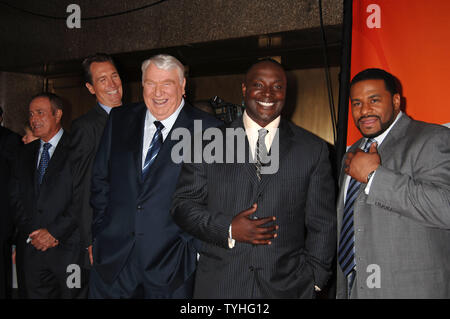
{"x":103,"y":81}
{"x":44,"y":205}
{"x":394,"y":202}
{"x":265,"y":235}
{"x":139,"y":252}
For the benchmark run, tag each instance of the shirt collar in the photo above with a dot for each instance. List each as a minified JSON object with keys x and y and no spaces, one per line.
{"x":105,"y":107}
{"x":380,"y":138}
{"x":249,"y":124}
{"x":55,"y":139}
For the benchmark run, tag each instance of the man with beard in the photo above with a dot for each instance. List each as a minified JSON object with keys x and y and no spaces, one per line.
{"x":267,"y":233}
{"x":394,"y":203}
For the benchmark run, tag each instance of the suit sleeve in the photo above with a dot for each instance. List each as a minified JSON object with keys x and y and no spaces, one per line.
{"x":321,"y":228}
{"x":100,"y":185}
{"x":189,"y":207}
{"x":82,"y":157}
{"x":424,"y":194}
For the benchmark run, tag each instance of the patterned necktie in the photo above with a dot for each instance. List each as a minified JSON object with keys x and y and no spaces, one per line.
{"x":154,"y":148}
{"x":346,"y":254}
{"x":261,"y":151}
{"x":43,"y":163}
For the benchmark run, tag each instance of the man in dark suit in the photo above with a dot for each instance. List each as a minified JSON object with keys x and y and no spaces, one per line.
{"x":138,"y":250}
{"x":266,"y":234}
{"x":394,"y":201}
{"x":103,"y":81}
{"x":9,"y":146}
{"x":42,"y":199}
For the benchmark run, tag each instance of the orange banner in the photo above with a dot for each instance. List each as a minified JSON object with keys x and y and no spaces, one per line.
{"x":411,"y":40}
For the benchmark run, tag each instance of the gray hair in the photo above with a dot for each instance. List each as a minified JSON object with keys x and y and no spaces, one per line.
{"x":164,"y":62}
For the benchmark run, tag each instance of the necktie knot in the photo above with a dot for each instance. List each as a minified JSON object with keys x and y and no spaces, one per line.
{"x":368,"y":143}
{"x":262,"y":133}
{"x":159,"y":126}
{"x":47,"y":146}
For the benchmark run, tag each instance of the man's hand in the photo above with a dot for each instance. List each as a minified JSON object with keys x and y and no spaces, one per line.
{"x":41,"y":239}
{"x":251,"y":231}
{"x":359,"y":164}
{"x":91,"y":256}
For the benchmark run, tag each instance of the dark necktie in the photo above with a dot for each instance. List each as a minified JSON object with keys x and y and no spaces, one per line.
{"x":261,"y":151}
{"x":154,"y":148}
{"x":346,"y":254}
{"x":43,"y":163}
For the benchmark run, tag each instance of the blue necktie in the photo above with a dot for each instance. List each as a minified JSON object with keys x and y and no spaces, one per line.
{"x":154,"y":148}
{"x":43,"y":163}
{"x":346,"y":254}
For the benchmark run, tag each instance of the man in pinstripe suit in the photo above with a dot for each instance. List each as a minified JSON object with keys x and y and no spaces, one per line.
{"x":264,"y":235}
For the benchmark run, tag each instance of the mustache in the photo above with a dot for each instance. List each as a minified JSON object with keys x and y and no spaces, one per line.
{"x":368,"y":116}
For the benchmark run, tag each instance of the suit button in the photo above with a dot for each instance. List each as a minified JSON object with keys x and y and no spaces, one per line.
{"x":139,"y":207}
{"x":251,"y":268}
{"x":132,"y":234}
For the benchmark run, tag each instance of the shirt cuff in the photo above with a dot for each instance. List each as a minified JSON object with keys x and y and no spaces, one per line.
{"x":231,"y":241}
{"x":367,"y":189}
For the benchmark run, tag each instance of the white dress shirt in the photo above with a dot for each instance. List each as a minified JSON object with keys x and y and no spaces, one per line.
{"x":150,"y":128}
{"x":251,"y":130}
{"x":53,"y":141}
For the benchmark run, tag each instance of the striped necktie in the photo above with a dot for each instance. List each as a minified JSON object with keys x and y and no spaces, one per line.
{"x":154,"y":148}
{"x":261,"y":151}
{"x":346,"y":253}
{"x":43,"y":163}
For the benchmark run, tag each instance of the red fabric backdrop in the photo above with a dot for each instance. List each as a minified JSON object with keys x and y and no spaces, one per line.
{"x":411,"y":40}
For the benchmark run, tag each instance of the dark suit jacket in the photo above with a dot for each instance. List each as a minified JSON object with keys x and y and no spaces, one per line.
{"x":126,"y":207}
{"x":51,"y":206}
{"x":86,"y":132}
{"x":300,"y":195}
{"x":9,"y":147}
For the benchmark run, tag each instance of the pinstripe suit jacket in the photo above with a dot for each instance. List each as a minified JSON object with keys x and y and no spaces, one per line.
{"x":402,"y":236}
{"x":300,"y":195}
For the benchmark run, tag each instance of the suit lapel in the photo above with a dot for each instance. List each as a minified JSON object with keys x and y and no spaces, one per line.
{"x":58,"y":157}
{"x":248,"y":167}
{"x":164,"y":155}
{"x":387,"y":148}
{"x":284,"y":138}
{"x":136,"y":138}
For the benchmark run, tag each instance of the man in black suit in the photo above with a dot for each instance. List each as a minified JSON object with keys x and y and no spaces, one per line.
{"x":9,"y":146}
{"x":138,"y":250}
{"x":43,"y":203}
{"x":103,"y":81}
{"x":269,"y":231}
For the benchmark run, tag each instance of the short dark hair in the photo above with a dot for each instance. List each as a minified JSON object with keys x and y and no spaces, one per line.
{"x":97,"y":57}
{"x":390,"y":82}
{"x":265,"y":59}
{"x":55,"y":101}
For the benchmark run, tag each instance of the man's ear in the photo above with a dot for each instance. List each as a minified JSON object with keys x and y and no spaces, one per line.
{"x":58,"y":115}
{"x":184,"y":86}
{"x":244,"y":89}
{"x":396,"y":101}
{"x":90,"y":87}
